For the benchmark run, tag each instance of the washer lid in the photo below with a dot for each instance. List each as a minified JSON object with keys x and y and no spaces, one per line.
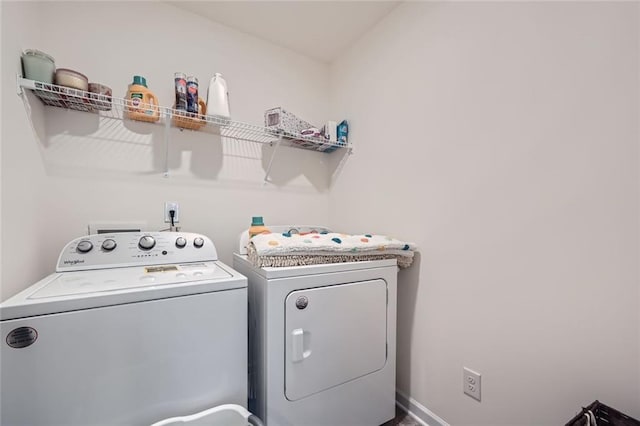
{"x":67,"y":291}
{"x":109,"y":280}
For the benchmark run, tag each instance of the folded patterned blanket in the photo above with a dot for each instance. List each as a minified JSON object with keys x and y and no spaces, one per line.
{"x":309,"y":249}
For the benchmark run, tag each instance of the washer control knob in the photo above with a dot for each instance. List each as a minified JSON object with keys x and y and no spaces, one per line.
{"x":198,"y":242}
{"x":108,"y":244}
{"x":181,"y":242}
{"x":84,"y":246}
{"x":147,"y":242}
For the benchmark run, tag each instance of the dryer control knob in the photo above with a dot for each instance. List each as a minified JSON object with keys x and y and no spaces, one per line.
{"x":181,"y":242}
{"x":146,"y":242}
{"x":108,"y":244}
{"x":84,"y":246}
{"x":198,"y":242}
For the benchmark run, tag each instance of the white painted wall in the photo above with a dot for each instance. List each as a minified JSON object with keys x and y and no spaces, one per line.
{"x":21,"y":169}
{"x":503,"y":139}
{"x":72,"y":171}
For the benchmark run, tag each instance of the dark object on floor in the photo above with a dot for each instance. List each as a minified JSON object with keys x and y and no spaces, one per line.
{"x":603,"y":415}
{"x":402,"y":419}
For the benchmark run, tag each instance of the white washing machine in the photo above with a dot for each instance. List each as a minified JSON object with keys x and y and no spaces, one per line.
{"x":130,"y":329}
{"x":322,"y":341}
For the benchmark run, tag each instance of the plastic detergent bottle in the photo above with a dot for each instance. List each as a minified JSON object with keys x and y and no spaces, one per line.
{"x":257,"y":227}
{"x":218,"y":97}
{"x":142,"y":104}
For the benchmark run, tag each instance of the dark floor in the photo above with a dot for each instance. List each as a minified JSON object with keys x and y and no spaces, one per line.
{"x":402,"y":419}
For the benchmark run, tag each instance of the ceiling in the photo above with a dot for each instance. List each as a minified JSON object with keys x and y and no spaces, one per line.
{"x":319,"y":29}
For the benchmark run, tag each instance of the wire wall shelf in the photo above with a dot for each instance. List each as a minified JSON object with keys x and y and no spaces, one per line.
{"x":123,"y":109}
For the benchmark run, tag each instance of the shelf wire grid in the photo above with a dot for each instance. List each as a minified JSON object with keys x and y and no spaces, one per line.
{"x":121,"y":109}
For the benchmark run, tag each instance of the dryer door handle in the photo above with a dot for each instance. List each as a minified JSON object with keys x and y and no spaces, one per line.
{"x":298,"y":350}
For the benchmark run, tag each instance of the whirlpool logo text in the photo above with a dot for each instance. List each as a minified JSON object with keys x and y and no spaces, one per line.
{"x":73,"y":262}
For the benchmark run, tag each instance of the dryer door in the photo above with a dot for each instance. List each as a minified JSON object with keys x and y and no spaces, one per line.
{"x":334,"y":334}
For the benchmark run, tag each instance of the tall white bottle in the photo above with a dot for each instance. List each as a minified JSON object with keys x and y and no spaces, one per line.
{"x":218,"y":97}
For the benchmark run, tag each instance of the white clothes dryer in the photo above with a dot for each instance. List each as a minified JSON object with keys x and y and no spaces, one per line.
{"x":322,"y":341}
{"x":132,"y":328}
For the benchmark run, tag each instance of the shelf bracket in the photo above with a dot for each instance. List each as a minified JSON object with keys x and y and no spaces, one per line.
{"x":273,"y":155}
{"x":19,"y":88}
{"x":340,"y":165}
{"x":167,"y":129}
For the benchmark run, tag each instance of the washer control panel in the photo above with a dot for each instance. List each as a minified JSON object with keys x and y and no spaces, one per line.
{"x":122,"y":249}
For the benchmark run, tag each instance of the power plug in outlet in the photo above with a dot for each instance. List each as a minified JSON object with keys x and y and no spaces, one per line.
{"x":168,"y":206}
{"x":471,"y":383}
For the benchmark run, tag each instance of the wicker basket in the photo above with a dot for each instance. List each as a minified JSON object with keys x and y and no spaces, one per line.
{"x":188,"y":120}
{"x":191,"y":123}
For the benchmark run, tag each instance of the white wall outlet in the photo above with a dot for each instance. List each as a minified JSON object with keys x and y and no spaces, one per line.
{"x":168,"y":206}
{"x":471,"y":383}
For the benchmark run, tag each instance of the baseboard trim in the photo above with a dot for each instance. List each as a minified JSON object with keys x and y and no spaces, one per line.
{"x":418,"y":411}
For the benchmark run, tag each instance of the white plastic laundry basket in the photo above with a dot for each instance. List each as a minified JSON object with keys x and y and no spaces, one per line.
{"x":222,"y":415}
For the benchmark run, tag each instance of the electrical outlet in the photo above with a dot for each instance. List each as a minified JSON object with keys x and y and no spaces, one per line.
{"x":168,"y":206}
{"x":471,"y":383}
